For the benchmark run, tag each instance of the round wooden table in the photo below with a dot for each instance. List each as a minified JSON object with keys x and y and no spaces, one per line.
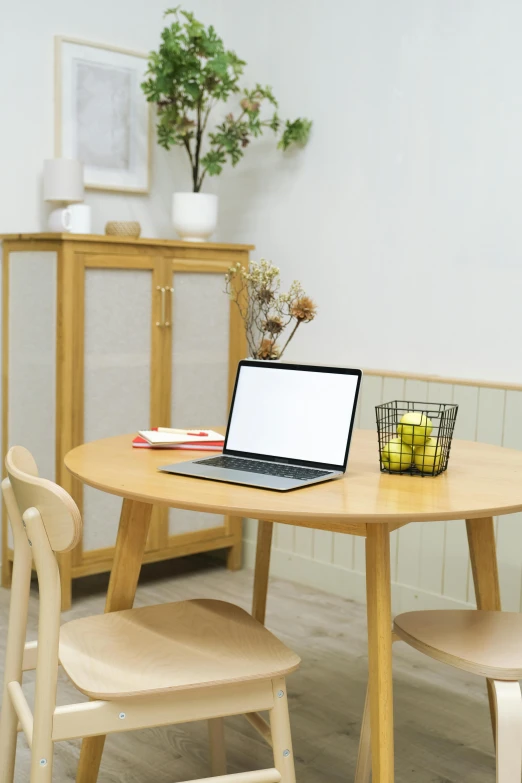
{"x":482,"y":481}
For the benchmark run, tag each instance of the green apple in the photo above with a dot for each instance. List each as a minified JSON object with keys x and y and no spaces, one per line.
{"x":428,"y":458}
{"x":397,"y":455}
{"x":415,"y":428}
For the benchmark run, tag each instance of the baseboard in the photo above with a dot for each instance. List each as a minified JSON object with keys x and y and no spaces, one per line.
{"x":345,"y":582}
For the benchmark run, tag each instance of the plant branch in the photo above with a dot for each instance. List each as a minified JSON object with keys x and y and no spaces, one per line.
{"x":186,"y":144}
{"x":199,"y":135}
{"x":203,"y":129}
{"x":220,"y":147}
{"x":294,"y":330}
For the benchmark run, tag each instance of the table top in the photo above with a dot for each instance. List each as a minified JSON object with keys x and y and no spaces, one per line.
{"x":481,"y":481}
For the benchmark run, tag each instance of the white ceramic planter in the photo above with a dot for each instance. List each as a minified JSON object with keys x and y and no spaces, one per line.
{"x":194,"y":215}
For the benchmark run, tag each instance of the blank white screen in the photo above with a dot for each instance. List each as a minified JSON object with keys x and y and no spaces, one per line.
{"x":296,"y":414}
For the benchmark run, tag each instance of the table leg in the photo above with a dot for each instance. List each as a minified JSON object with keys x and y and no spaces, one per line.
{"x":378,"y":596}
{"x":483,"y":553}
{"x":130,"y":546}
{"x":264,"y":545}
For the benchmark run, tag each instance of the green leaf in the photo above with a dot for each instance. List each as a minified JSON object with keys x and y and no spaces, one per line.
{"x":192,"y":72}
{"x":296,"y":132}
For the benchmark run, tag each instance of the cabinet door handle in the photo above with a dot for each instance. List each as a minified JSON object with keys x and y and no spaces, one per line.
{"x":169,"y":288}
{"x":162,"y":291}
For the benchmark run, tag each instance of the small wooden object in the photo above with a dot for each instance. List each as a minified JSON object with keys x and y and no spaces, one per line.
{"x":153,"y":666}
{"x":123,"y":228}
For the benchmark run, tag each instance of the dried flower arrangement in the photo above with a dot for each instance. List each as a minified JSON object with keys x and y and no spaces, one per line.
{"x":265,"y":311}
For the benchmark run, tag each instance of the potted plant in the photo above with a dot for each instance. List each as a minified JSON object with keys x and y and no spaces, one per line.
{"x":266,"y":312}
{"x":189,"y":75}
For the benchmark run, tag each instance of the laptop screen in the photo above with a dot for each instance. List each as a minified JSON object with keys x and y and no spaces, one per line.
{"x":297,"y":413}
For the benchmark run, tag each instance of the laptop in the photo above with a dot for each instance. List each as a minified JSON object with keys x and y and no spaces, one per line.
{"x":290,"y":425}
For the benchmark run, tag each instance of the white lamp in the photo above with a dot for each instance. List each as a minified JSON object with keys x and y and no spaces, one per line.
{"x":63,"y":180}
{"x":63,"y":184}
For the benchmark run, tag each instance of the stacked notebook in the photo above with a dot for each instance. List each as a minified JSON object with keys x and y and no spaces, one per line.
{"x":167,"y":438}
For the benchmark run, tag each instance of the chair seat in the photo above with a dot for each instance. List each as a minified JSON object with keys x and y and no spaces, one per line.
{"x":188,"y":644}
{"x":485,"y":643}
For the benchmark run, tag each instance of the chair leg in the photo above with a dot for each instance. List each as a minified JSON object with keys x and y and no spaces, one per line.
{"x":363,"y":770}
{"x":218,"y":750}
{"x":42,"y":765}
{"x":509,"y":731}
{"x":281,"y":736}
{"x":8,"y":725}
{"x":19,"y":602}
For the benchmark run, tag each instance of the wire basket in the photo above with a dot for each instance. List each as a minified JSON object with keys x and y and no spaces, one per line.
{"x":415,"y":437}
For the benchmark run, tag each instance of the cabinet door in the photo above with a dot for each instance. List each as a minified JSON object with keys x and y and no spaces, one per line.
{"x":118,"y":334}
{"x":31,"y":357}
{"x":200,"y":345}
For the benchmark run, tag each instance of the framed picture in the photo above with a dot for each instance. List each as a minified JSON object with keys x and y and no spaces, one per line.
{"x":102,"y":117}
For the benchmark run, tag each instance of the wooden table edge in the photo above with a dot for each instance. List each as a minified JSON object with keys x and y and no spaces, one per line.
{"x":304,"y":519}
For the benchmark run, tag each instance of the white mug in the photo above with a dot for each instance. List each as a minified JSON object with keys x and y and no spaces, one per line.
{"x":74,"y":219}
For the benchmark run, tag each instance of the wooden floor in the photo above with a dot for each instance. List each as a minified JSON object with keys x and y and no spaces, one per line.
{"x":442,"y":723}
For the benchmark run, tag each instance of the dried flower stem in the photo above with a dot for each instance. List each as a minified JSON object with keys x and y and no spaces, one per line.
{"x":266,"y":312}
{"x":294,"y":330}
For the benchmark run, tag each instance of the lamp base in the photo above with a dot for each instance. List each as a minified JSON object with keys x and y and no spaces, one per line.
{"x":74,"y":219}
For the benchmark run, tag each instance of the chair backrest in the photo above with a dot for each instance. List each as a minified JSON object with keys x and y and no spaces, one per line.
{"x":60,"y":514}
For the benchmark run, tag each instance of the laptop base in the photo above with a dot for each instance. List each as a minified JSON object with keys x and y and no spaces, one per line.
{"x":259,"y":480}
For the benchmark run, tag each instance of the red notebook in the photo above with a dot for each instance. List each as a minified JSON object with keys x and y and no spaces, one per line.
{"x":141,"y":443}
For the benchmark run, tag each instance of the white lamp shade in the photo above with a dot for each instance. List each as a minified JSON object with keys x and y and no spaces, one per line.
{"x":63,"y":180}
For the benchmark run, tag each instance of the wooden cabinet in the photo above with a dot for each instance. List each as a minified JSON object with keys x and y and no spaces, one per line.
{"x":104,"y":335}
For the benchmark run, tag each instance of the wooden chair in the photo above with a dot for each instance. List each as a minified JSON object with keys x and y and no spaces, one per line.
{"x":153,"y":666}
{"x":485,"y":643}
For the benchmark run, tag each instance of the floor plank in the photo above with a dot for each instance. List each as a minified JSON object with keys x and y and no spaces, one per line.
{"x":442,"y":724}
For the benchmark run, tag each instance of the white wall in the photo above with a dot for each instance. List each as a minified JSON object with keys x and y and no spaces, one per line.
{"x":27,"y":30}
{"x":402,"y":217}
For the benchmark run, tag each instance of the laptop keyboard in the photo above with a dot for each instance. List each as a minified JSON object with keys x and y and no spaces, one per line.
{"x":265,"y":468}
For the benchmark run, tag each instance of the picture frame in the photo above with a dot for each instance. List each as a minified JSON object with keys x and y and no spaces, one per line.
{"x":101,"y":114}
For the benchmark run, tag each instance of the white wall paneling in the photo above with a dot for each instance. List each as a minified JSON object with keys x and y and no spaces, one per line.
{"x":429,"y":561}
